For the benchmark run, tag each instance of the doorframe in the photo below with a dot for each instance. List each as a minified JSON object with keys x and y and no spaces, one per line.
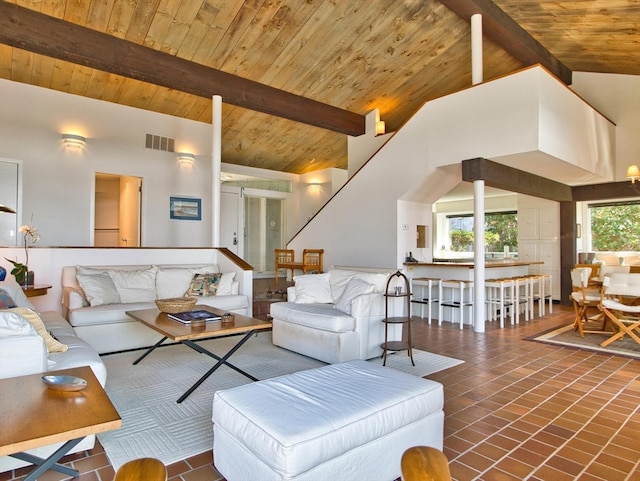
{"x":139,"y":206}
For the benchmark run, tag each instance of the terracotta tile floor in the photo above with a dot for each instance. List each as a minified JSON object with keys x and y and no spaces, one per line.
{"x":514,"y":410}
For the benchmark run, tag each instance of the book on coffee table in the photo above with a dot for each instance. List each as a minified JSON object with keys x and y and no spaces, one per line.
{"x":196,"y":315}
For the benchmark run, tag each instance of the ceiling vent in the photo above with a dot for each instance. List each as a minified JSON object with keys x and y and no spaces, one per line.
{"x":157,"y":142}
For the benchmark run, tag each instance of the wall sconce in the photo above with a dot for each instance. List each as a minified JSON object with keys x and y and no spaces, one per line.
{"x":73,"y":140}
{"x":186,"y":158}
{"x":380,"y":127}
{"x":633,"y":173}
{"x":314,"y":187}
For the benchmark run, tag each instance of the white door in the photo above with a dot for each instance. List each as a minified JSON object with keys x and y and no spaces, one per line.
{"x":231,"y":230}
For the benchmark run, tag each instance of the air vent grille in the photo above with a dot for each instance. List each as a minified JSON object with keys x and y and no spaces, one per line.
{"x":157,"y":142}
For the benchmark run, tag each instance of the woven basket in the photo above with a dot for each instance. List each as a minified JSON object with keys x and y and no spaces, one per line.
{"x":176,"y":304}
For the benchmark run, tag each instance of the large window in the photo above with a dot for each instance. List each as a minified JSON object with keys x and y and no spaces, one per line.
{"x":500,"y":230}
{"x":615,"y":226}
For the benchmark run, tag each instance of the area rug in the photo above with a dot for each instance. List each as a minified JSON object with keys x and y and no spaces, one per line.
{"x":154,"y":425}
{"x":566,"y":336}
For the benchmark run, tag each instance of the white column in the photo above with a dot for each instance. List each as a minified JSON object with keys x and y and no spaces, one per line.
{"x":478,"y":256}
{"x":216,"y":160}
{"x":476,"y":49}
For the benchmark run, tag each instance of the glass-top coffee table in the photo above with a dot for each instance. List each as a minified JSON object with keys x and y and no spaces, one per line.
{"x":188,"y":334}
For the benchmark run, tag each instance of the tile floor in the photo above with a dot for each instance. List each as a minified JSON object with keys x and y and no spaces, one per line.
{"x":515,"y":410}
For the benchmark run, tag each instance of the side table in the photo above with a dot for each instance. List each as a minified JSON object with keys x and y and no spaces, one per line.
{"x":33,"y":415}
{"x":36,"y":290}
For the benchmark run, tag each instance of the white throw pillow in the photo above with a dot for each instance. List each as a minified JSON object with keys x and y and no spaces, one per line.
{"x":355,"y":287}
{"x":13,"y":324}
{"x":378,"y":279}
{"x":225,"y":284}
{"x":53,"y":345}
{"x":99,"y":289}
{"x":15,"y":291}
{"x":313,"y":289}
{"x":135,"y":285}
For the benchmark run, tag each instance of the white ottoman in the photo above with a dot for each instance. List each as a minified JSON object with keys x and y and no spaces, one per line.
{"x":348,"y":421}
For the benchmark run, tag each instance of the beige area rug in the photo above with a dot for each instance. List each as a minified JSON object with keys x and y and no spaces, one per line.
{"x":566,"y":336}
{"x":154,"y":425}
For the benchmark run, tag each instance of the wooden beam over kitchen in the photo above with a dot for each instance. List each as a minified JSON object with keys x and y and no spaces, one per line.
{"x":35,"y":32}
{"x":506,"y":33}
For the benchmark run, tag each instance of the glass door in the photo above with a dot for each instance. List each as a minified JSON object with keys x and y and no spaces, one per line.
{"x":264,"y":219}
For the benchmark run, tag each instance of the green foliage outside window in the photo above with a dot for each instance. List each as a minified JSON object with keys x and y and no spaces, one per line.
{"x":615,"y":227}
{"x":500,"y":229}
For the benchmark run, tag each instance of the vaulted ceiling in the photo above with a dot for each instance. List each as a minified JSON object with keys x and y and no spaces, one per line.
{"x":295,"y":75}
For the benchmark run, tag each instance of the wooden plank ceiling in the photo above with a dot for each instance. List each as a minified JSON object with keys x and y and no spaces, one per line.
{"x":353,"y":55}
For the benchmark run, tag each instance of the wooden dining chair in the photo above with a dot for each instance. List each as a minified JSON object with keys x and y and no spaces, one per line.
{"x":585,"y":299}
{"x":424,"y":463}
{"x":143,"y":469}
{"x":621,"y":305}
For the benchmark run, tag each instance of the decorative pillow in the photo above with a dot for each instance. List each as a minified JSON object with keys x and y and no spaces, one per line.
{"x":225,"y":284}
{"x":204,"y":284}
{"x":15,"y":291}
{"x":313,"y":289}
{"x":12,"y":324}
{"x":52,"y":344}
{"x":6,"y":302}
{"x":175,"y":281}
{"x":135,"y":285}
{"x":99,"y":289}
{"x":355,"y":287}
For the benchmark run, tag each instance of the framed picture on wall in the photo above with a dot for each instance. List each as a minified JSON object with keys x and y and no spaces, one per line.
{"x":185,"y":208}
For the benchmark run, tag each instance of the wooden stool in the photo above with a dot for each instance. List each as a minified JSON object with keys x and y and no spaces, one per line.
{"x":422,"y":289}
{"x":458,"y":294}
{"x":143,"y":469}
{"x":424,"y":463}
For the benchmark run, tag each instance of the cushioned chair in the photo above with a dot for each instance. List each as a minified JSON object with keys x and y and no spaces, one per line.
{"x":143,"y":469}
{"x":424,"y":463}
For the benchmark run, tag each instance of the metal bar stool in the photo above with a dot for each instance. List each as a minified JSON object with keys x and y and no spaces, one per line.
{"x":457,"y":294}
{"x":424,"y":295}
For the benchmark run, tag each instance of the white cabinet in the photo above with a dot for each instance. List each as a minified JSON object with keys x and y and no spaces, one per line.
{"x":539,"y":237}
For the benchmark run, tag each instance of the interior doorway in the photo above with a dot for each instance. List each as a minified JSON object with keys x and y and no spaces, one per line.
{"x":117,"y":214}
{"x":264,"y":220}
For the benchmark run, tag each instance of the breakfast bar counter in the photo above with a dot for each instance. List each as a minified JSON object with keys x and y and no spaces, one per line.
{"x":464,"y":271}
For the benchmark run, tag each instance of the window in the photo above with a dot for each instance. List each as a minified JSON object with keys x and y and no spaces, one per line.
{"x":615,"y":226}
{"x":500,"y":230}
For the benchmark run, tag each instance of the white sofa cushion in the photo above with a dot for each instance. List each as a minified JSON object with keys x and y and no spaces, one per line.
{"x":173,"y":281}
{"x":313,"y":289}
{"x":318,"y":316}
{"x":135,"y":285}
{"x":98,"y":288}
{"x":13,"y":324}
{"x":355,"y":287}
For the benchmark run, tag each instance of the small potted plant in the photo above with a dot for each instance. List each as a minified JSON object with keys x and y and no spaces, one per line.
{"x":21,"y":271}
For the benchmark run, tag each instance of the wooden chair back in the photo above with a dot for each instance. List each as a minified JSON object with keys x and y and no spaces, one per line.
{"x":143,"y":469}
{"x":312,"y":260}
{"x":424,"y":463}
{"x":284,"y":256}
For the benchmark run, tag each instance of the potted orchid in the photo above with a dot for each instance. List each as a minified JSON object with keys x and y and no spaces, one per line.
{"x":21,"y":271}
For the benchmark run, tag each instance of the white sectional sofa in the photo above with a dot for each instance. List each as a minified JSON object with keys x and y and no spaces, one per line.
{"x":337,"y":316}
{"x":24,"y":351}
{"x":95,"y":299}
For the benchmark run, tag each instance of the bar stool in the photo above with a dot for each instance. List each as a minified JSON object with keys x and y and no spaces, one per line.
{"x":521,"y":297}
{"x":457,"y":294}
{"x":424,"y":295}
{"x":535,"y":295}
{"x":499,"y":298}
{"x":546,"y":292}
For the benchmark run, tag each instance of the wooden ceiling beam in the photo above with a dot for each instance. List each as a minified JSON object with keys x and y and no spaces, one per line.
{"x":510,"y":36}
{"x":35,"y":32}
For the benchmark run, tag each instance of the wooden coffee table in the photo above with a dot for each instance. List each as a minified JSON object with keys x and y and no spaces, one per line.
{"x":188,"y":335}
{"x":32,"y":415}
